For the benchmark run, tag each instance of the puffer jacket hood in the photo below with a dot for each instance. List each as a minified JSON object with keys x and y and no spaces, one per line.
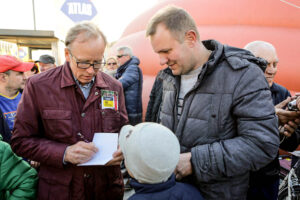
{"x":132,"y":61}
{"x":237,"y":58}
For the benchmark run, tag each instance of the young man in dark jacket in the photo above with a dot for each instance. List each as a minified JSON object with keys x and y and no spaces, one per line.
{"x":217,"y":102}
{"x":151,"y":153}
{"x":131,"y":77}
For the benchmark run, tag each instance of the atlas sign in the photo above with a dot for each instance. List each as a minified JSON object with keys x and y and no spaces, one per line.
{"x":79,"y":10}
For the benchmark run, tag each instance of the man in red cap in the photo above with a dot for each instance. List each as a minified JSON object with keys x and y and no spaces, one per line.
{"x":12,"y":80}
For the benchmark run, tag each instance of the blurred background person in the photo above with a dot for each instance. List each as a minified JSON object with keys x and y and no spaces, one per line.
{"x":264,"y":183}
{"x":111,"y":66}
{"x":12,"y":81}
{"x":34,"y":70}
{"x":267,"y":51}
{"x":131,"y":77}
{"x":46,"y":62}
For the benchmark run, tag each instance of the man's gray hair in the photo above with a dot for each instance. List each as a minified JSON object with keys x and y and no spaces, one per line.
{"x":177,"y":20}
{"x":126,"y":50}
{"x":256,"y":46}
{"x":89,"y":29}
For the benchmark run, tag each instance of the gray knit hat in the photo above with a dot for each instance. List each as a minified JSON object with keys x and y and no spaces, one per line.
{"x":151,"y":151}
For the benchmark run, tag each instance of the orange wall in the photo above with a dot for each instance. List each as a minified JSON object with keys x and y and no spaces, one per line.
{"x":231,"y":22}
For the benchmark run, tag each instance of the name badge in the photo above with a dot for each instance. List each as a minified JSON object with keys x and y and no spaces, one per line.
{"x":109,"y":99}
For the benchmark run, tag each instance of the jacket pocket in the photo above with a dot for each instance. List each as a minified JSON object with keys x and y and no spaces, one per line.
{"x":54,"y":183}
{"x":111,"y":120}
{"x":57,"y":123}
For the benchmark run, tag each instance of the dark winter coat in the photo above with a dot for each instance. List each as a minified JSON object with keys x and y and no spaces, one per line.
{"x":131,"y":77}
{"x":169,"y":190}
{"x":228,"y":121}
{"x":155,"y":98}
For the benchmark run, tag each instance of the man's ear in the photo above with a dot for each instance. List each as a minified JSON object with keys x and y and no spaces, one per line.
{"x":67,"y":55}
{"x":3,"y":77}
{"x":191,"y":38}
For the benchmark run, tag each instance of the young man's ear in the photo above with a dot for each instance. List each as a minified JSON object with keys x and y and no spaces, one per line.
{"x":3,"y":77}
{"x":191,"y":37}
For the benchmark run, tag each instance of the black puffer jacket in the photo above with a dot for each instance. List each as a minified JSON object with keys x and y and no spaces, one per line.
{"x":155,"y":98}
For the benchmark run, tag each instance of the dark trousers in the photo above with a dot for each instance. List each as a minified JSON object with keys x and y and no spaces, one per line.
{"x":267,"y":191}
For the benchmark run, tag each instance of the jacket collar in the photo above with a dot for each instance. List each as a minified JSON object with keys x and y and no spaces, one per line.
{"x":151,"y":188}
{"x":68,"y":79}
{"x":274,"y":88}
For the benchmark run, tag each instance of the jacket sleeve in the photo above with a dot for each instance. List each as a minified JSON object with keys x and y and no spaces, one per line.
{"x":5,"y":132}
{"x":123,"y":111}
{"x":154,"y":98}
{"x":291,"y":143}
{"x":18,"y":179}
{"x":256,"y":142}
{"x":27,"y":140}
{"x":130,"y":76}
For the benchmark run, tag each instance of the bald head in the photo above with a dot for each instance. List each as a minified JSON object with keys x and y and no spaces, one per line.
{"x":266,"y":51}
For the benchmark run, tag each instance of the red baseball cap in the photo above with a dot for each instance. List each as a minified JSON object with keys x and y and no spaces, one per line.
{"x":12,"y":63}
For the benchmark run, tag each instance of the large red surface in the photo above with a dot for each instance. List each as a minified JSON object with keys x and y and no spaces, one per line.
{"x":231,"y":22}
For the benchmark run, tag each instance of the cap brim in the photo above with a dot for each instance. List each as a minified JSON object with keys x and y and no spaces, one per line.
{"x":23,"y":67}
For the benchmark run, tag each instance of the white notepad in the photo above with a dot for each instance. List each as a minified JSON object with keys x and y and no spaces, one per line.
{"x":107,"y":144}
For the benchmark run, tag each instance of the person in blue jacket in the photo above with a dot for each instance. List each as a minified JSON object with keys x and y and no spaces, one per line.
{"x":131,"y":77}
{"x":151,"y":153}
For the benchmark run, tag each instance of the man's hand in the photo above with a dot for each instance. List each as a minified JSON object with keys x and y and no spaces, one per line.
{"x":117,"y":158}
{"x":289,"y":128}
{"x":184,"y":166}
{"x":80,"y":152}
{"x":34,"y":164}
{"x":284,"y":116}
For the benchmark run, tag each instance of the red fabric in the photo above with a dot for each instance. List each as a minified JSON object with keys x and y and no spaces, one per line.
{"x":11,"y":63}
{"x":49,"y":118}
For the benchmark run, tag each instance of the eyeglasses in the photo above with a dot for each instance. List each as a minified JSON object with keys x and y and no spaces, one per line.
{"x":86,"y":65}
{"x":120,"y":56}
{"x":114,"y":63}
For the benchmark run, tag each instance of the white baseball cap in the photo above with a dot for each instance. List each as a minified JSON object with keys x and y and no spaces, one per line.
{"x":151,"y":151}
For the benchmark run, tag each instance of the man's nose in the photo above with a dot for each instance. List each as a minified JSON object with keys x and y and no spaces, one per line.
{"x":90,"y":70}
{"x":163,"y":60}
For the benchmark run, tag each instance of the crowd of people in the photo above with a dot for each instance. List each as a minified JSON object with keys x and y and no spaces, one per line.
{"x":214,"y":122}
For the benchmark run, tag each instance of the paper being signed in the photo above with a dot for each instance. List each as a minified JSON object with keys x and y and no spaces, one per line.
{"x":107,"y":144}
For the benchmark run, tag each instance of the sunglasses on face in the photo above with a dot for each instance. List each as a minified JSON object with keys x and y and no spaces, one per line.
{"x":114,"y":63}
{"x":120,"y":56}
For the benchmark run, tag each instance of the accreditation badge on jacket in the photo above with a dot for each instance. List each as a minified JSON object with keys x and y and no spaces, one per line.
{"x":109,"y":99}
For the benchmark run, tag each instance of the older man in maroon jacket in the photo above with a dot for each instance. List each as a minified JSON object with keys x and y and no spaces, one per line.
{"x":59,"y":113}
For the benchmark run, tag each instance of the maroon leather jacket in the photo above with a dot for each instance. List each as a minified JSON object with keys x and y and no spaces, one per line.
{"x":52,"y":115}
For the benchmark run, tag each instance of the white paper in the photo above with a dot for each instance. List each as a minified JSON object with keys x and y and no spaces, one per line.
{"x":296,"y":153}
{"x":107,"y":144}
